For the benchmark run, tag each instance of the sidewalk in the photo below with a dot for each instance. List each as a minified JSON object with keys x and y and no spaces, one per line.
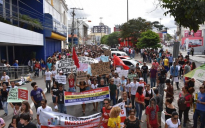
{"x":197,"y":58}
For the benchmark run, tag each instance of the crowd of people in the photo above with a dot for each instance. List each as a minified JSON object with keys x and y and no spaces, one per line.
{"x":144,"y":92}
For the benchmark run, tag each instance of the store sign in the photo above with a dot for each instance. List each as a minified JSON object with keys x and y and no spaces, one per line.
{"x":59,"y":27}
{"x":191,"y":33}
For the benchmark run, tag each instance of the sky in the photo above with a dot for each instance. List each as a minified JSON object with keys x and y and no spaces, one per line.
{"x":114,"y":12}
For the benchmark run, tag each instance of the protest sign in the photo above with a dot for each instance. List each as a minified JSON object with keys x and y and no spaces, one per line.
{"x":60,"y":79}
{"x":104,"y":58}
{"x":17,"y":95}
{"x":83,"y":67}
{"x":67,"y":65}
{"x":100,"y":68}
{"x":107,"y":52}
{"x":122,"y":73}
{"x":81,"y":76}
{"x":90,"y":96}
{"x":60,"y":120}
{"x":131,"y":76}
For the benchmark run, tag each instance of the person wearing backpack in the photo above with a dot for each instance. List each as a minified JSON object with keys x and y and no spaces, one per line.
{"x":128,"y":104}
{"x":184,"y":101}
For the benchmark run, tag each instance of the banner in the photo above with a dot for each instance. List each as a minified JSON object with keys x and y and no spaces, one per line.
{"x":90,"y":96}
{"x":122,"y":73}
{"x":17,"y":95}
{"x":104,"y":58}
{"x":67,"y":65}
{"x":192,"y":42}
{"x":191,"y":33}
{"x":83,"y":67}
{"x":81,"y":76}
{"x":60,"y":79}
{"x":60,"y":120}
{"x":198,"y":73}
{"x":100,"y":68}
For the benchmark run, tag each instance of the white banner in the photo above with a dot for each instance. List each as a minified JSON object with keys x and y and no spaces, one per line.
{"x":122,"y":73}
{"x":60,"y":79}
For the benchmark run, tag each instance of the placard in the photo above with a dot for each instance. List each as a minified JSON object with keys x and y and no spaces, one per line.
{"x":81,"y":76}
{"x":131,"y":76}
{"x":122,"y":73}
{"x":100,"y":68}
{"x":83,"y":67}
{"x":107,"y":52}
{"x":17,"y":95}
{"x":60,"y":79}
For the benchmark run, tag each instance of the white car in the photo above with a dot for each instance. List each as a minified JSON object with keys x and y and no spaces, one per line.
{"x":114,"y":49}
{"x":132,"y":63}
{"x":118,"y":53}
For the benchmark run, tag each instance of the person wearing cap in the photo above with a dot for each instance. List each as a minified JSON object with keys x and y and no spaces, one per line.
{"x":144,"y":69}
{"x":200,"y":108}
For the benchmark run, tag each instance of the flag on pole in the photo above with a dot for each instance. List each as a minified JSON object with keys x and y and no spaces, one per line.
{"x":75,"y":58}
{"x":118,"y":62}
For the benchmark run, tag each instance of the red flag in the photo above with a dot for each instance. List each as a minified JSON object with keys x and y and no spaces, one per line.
{"x":75,"y":58}
{"x":119,"y":62}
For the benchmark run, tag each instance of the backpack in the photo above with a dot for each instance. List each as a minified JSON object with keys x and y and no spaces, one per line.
{"x":181,"y":101}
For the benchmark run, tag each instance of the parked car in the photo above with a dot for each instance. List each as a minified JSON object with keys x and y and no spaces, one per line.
{"x":131,"y":63}
{"x":114,"y":49}
{"x":118,"y":53}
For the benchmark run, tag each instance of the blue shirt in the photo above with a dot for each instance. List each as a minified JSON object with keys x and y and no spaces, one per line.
{"x":174,"y":71}
{"x":171,"y":59}
{"x":201,"y":97}
{"x":15,"y":64}
{"x":37,"y":94}
{"x":43,"y":66}
{"x":49,"y":65}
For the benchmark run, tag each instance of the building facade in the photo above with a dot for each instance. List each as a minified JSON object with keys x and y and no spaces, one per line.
{"x":101,"y":29}
{"x":31,"y":29}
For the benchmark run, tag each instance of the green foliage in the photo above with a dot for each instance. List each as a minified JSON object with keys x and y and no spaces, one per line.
{"x":134,"y":27}
{"x":111,"y":39}
{"x":149,"y":39}
{"x":31,"y":21}
{"x":157,"y":25}
{"x":187,"y":13}
{"x":168,"y":37}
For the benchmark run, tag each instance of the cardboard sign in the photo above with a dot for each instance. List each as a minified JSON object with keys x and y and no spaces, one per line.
{"x":17,"y":95}
{"x":100,"y":68}
{"x":60,"y":79}
{"x":104,"y":58}
{"x":122,"y":73}
{"x":83,"y":67}
{"x":81,"y":76}
{"x":107,"y":52}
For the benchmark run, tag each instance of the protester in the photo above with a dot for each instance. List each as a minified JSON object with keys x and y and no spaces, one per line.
{"x":169,"y":108}
{"x":25,"y":108}
{"x":169,"y":90}
{"x":144,"y":71}
{"x":148,"y":93}
{"x":5,"y":79}
{"x":161,"y":83}
{"x":173,"y":122}
{"x":54,"y":90}
{"x":200,"y":108}
{"x":159,"y":101}
{"x":127,"y":102}
{"x":2,"y":123}
{"x":151,"y":112}
{"x":43,"y":68}
{"x":37,"y":67}
{"x":153,"y":75}
{"x":49,"y":65}
{"x":4,"y":95}
{"x":16,"y":68}
{"x":71,"y":82}
{"x":166,"y":64}
{"x":25,"y":121}
{"x":155,"y":64}
{"x":48,"y":79}
{"x":123,"y":83}
{"x":43,"y":108}
{"x":101,"y":85}
{"x":174,"y":73}
{"x":14,"y":122}
{"x":117,"y":82}
{"x":114,"y":120}
{"x":127,"y":87}
{"x":113,"y":91}
{"x":193,"y":66}
{"x":132,"y":91}
{"x":95,"y":86}
{"x":54,"y":73}
{"x":132,"y":121}
{"x":139,"y":102}
{"x":60,"y":99}
{"x":16,"y":107}
{"x":185,"y":99}
{"x":105,"y":114}
{"x":12,"y":85}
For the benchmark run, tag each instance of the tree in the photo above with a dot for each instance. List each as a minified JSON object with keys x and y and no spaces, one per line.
{"x":187,"y":13}
{"x":134,"y":27}
{"x":111,"y":39}
{"x":149,"y":39}
{"x":104,"y":39}
{"x":168,"y":37}
{"x":157,"y":25}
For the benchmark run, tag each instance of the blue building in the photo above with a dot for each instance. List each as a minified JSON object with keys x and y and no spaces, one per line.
{"x":32,"y":29}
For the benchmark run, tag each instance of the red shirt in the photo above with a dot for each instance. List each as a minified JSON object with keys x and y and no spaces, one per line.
{"x":152,"y":115}
{"x":155,"y":64}
{"x":187,"y":98}
{"x":106,"y":115}
{"x":140,"y":97}
{"x":71,"y":83}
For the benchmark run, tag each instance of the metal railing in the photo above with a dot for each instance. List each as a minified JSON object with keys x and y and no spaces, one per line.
{"x":14,"y":72}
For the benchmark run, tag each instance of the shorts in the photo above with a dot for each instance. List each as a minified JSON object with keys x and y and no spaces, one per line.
{"x":72,"y":89}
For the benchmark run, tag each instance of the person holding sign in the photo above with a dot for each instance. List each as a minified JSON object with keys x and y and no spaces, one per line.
{"x":82,"y":85}
{"x":71,"y":82}
{"x":48,"y":79}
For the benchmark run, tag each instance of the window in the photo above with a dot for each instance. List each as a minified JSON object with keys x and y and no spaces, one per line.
{"x":118,"y":54}
{"x":127,"y":63}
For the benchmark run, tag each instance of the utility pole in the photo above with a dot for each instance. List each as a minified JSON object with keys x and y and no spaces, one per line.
{"x":79,"y":26}
{"x":101,"y":28}
{"x":72,"y":30}
{"x":127,"y":11}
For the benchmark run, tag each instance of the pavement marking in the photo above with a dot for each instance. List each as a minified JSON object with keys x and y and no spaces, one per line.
{"x":32,"y":104}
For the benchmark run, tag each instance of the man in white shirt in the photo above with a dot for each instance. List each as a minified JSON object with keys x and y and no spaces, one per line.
{"x":117,"y":82}
{"x":48,"y":79}
{"x":5,"y":79}
{"x":44,"y":108}
{"x":132,"y":90}
{"x":54,"y":73}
